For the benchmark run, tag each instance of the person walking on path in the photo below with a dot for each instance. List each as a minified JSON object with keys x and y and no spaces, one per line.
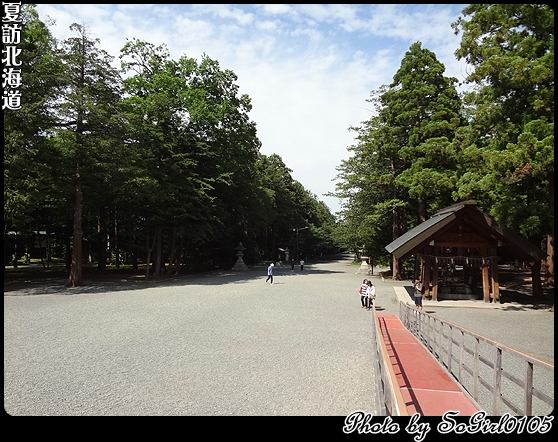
{"x":371,"y":294}
{"x":292,"y":264}
{"x":302,"y":264}
{"x":363,"y":290}
{"x":270,"y":273}
{"x":417,"y":285}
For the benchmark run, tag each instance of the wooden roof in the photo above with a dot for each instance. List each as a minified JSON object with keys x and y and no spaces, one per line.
{"x":466,"y":214}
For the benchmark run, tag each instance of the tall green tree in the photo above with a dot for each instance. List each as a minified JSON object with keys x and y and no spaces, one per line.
{"x":366,"y":187}
{"x":87,"y":104}
{"x":320,"y":220}
{"x":511,"y":136}
{"x":27,"y":152}
{"x":422,"y":111}
{"x":197,"y":141}
{"x":403,"y":164}
{"x":281,"y":215}
{"x":223,"y":123}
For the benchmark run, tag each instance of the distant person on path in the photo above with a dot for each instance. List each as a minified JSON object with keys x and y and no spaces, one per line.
{"x":292,"y":264}
{"x":302,"y":264}
{"x":270,"y":273}
{"x":371,"y":292}
{"x":418,"y":294}
{"x":363,"y":290}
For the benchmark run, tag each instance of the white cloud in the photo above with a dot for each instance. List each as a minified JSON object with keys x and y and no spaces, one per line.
{"x":275,"y":9}
{"x":313,"y":34}
{"x":266,"y":25}
{"x":226,"y":12}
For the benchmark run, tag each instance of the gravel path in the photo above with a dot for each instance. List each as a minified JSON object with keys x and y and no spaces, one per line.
{"x":223,"y":343}
{"x":219,"y":344}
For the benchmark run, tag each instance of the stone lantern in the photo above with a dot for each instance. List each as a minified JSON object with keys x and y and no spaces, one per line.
{"x":365,"y":268}
{"x":239,"y":265}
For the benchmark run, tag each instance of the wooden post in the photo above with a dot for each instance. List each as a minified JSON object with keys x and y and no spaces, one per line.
{"x":485,"y":278}
{"x":434,"y":280}
{"x":494,"y":276}
{"x":397,"y":267}
{"x":466,"y":268}
{"x":427,"y":265}
{"x":416,"y":269}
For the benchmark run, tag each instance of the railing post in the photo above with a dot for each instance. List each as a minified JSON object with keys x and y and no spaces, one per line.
{"x":450,"y":346}
{"x":481,"y":355}
{"x":428,"y":337}
{"x":476,"y":371}
{"x":440,"y":351}
{"x":497,"y":387}
{"x":529,"y":389}
{"x":461,"y":350}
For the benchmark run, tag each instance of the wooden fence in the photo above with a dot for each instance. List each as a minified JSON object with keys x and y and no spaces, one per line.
{"x":499,"y":378}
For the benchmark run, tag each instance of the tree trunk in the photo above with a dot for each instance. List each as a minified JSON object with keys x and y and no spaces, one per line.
{"x":272,"y":250}
{"x":149,"y":249}
{"x":116,"y":250}
{"x":101,"y":229}
{"x":550,"y":259}
{"x":180,"y":256}
{"x":47,"y":251}
{"x":68,"y":246}
{"x":536,"y":278}
{"x":422,"y":211}
{"x":76,"y":271}
{"x":398,"y":229}
{"x":172,"y":247}
{"x":134,"y":251}
{"x":158,"y":251}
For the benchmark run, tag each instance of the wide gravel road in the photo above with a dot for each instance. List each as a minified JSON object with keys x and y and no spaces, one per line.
{"x":224,"y":343}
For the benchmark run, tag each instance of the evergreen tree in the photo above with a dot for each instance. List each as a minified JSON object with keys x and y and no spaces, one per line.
{"x":27,"y":152}
{"x":510,"y":142}
{"x":87,"y":104}
{"x":422,"y":111}
{"x":404,"y":158}
{"x":197,"y":143}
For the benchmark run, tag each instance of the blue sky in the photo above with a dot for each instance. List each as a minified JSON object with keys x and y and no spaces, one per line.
{"x":308,"y":68}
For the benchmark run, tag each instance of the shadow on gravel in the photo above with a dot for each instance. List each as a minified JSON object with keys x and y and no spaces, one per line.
{"x":522,"y":301}
{"x":512,"y":300}
{"x":94,"y":284}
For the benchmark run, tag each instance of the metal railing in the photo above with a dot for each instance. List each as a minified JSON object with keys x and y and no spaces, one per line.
{"x":389,"y":399}
{"x":499,"y":378}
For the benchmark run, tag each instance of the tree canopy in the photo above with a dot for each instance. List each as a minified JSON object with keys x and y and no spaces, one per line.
{"x":427,"y":146}
{"x":157,"y":162}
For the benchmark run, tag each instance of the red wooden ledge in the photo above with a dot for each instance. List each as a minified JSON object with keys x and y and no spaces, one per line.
{"x":426,"y":387}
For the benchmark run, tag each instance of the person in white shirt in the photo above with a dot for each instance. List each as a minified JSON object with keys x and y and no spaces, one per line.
{"x":418,"y":294}
{"x":302,"y":264}
{"x":371,"y":292}
{"x":363,"y":290}
{"x":270,"y":273}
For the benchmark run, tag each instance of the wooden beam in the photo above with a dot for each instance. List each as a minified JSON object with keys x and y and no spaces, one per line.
{"x":461,"y":244}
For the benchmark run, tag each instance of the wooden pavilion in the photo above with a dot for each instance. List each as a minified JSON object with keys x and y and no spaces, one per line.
{"x":457,"y":252}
